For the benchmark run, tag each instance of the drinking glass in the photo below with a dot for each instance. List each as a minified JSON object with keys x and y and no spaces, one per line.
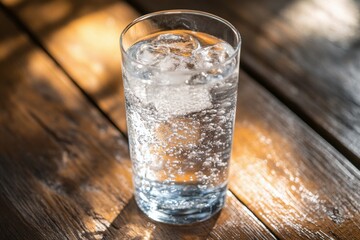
{"x":180,"y":73}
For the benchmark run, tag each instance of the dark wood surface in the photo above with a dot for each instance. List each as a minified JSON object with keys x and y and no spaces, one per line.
{"x":287,"y":175}
{"x":306,"y":52}
{"x":65,"y":171}
{"x":83,"y":37}
{"x":64,"y":166}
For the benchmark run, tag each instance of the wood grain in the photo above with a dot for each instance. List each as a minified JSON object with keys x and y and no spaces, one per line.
{"x":84,"y":39}
{"x":64,"y":169}
{"x":287,"y":175}
{"x":306,"y":52}
{"x":228,"y":224}
{"x":292,"y":179}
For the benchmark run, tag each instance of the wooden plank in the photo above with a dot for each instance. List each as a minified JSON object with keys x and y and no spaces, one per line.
{"x":65,"y":170}
{"x":308,"y":73}
{"x":84,"y":39}
{"x":297,"y":184}
{"x":317,"y":68}
{"x":288,"y":176}
{"x":307,"y":52}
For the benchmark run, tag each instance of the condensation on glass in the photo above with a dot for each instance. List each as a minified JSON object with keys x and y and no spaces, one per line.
{"x":180,"y":73}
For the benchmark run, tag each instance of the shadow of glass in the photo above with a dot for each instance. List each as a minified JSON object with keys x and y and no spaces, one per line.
{"x":132,"y":223}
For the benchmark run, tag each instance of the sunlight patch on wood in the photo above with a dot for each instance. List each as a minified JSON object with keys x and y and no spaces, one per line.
{"x":337,"y":21}
{"x":261,"y":169}
{"x":270,"y":174}
{"x":93,"y":40}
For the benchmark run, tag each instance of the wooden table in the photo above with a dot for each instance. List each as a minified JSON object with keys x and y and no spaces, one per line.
{"x":65,"y":171}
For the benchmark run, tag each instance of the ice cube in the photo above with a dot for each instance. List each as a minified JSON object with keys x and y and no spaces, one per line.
{"x":179,"y":100}
{"x":198,"y":78}
{"x":173,"y":89}
{"x":178,"y":44}
{"x":212,"y":55}
{"x":151,"y":54}
{"x":168,"y":52}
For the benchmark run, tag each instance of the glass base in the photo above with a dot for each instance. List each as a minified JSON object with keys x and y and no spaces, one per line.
{"x":182,"y":206}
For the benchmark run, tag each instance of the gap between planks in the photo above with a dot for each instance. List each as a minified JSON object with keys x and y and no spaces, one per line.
{"x":253,"y":214}
{"x":247,"y":63}
{"x":297,"y":110}
{"x":32,"y":38}
{"x":38,"y":43}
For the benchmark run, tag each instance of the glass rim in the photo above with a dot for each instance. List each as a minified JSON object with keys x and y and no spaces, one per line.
{"x":178,"y":11}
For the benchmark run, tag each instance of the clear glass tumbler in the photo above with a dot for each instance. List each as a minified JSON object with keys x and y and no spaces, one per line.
{"x":180,"y":73}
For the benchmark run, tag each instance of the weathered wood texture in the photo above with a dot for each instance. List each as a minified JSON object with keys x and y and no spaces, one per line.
{"x":229,"y":224}
{"x":84,"y":39}
{"x":307,"y":52}
{"x":64,"y":170}
{"x":288,"y":176}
